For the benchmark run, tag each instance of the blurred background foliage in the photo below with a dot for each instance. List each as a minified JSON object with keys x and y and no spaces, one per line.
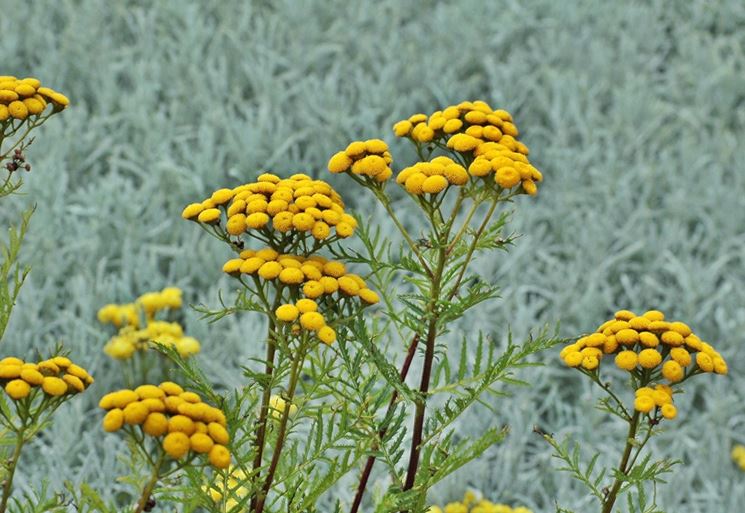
{"x":634,"y":111}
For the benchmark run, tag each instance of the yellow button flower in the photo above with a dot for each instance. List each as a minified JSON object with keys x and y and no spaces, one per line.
{"x":18,"y":389}
{"x":176,"y":444}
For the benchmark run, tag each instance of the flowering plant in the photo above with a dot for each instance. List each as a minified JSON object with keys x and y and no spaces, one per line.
{"x":657,"y":357}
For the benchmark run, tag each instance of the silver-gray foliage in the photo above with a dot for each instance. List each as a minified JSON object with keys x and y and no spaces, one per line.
{"x":635,"y":114}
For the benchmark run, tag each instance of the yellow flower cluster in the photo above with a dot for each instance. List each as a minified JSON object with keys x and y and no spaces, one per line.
{"x":661,"y":396}
{"x":365,"y":158}
{"x":650,"y":348}
{"x":149,"y":303}
{"x":129,"y":340}
{"x":235,"y":485}
{"x":178,"y":419}
{"x":738,"y":456}
{"x":316,"y":275}
{"x":432,"y":177}
{"x":510,"y":168}
{"x":472,"y":504}
{"x":277,"y":406}
{"x":132,"y":338}
{"x":486,"y":135}
{"x":305,"y":311}
{"x":297,"y":204}
{"x":643,"y":343}
{"x":54,"y":377}
{"x":26,"y":97}
{"x":466,"y":125}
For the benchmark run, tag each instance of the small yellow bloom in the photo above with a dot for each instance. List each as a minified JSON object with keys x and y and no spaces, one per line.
{"x":402,"y":128}
{"x":257,"y":220}
{"x":312,"y":321}
{"x":201,"y":443}
{"x":171,"y":388}
{"x":18,"y":389}
{"x":135,"y":413}
{"x":339,"y":162}
{"x":113,"y":420}
{"x":672,"y":371}
{"x":669,"y":411}
{"x":368,"y":296}
{"x":176,"y":444}
{"x":327,"y":335}
{"x":18,"y":110}
{"x":181,"y":424}
{"x":626,"y":360}
{"x":270,"y":270}
{"x":54,"y":386}
{"x":156,"y":424}
{"x":507,"y":177}
{"x":209,"y":216}
{"x":219,"y":456}
{"x":644,"y":403}
{"x":649,"y":358}
{"x":434,"y":184}
{"x":287,"y":313}
{"x":291,"y":276}
{"x":218,"y":433}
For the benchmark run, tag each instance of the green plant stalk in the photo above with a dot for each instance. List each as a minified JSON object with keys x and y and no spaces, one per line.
{"x":271,"y":349}
{"x":365,"y":476}
{"x":8,"y":483}
{"x":148,"y":490}
{"x":386,"y":204}
{"x":429,"y":356}
{"x":294,"y":378}
{"x":610,"y":499}
{"x":472,"y":249}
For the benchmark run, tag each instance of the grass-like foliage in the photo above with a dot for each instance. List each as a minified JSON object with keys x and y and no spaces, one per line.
{"x":632,"y":112}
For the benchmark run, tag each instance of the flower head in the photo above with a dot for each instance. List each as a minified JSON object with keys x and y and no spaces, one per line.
{"x":291,"y":209}
{"x":180,"y":421}
{"x":652,"y":350}
{"x":370,"y":159}
{"x":53,"y":377}
{"x":26,"y":98}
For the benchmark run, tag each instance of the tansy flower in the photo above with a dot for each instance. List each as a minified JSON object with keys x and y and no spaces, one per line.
{"x":297,"y":206}
{"x":277,"y":406}
{"x":368,"y":159}
{"x":180,"y":420}
{"x":471,"y":503}
{"x":648,"y":346}
{"x":25,"y":98}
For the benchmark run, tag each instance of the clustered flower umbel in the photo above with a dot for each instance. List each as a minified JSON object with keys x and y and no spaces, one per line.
{"x":54,"y":377}
{"x":487,"y":138}
{"x":315,"y":275}
{"x":649,"y":347}
{"x":738,"y":456}
{"x":132,"y":337}
{"x":21,"y":98}
{"x":472,"y":504}
{"x":179,"y":420}
{"x":369,"y":158}
{"x":293,"y":208}
{"x":235,"y":485}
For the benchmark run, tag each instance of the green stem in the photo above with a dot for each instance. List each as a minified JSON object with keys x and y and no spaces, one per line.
{"x":294,"y":377}
{"x":429,"y":355}
{"x":148,"y":490}
{"x":472,"y":249}
{"x":271,"y":349}
{"x":623,"y":467}
{"x":386,"y":204}
{"x":465,"y":226}
{"x":8,"y":482}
